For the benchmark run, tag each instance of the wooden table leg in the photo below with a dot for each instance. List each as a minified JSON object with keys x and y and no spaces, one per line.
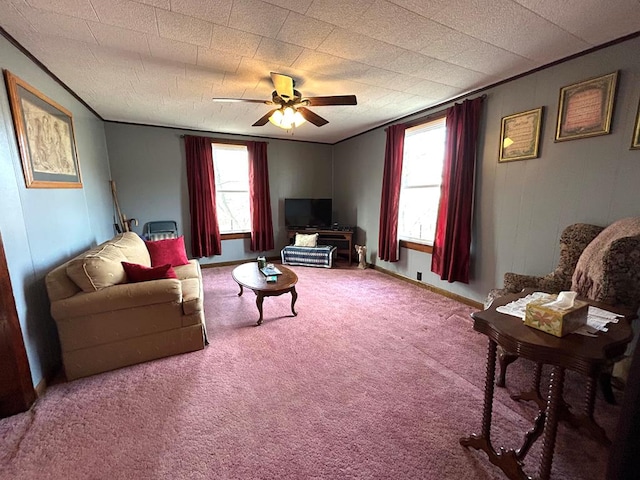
{"x":294,"y":297}
{"x":506,"y":459}
{"x":241,"y":290}
{"x":552,"y":413}
{"x":259,"y":301}
{"x":586,"y":420}
{"x":504,"y":359}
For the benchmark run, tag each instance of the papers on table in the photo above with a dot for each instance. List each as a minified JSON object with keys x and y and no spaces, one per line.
{"x":597,"y":318}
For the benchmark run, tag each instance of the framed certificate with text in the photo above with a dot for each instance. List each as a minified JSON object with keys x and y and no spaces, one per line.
{"x":520,"y":135}
{"x":585,"y":108}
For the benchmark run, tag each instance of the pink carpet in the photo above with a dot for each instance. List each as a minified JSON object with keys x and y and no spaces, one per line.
{"x":374,"y":379}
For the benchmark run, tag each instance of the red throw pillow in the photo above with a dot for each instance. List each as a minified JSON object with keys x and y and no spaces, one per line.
{"x":170,"y":250}
{"x":139,"y":273}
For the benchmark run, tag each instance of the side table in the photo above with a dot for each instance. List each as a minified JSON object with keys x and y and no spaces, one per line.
{"x":587,"y":355}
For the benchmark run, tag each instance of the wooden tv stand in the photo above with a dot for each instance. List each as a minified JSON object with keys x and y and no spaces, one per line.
{"x":342,"y":239}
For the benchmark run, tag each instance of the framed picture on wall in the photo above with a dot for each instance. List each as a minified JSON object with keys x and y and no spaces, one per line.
{"x":585,"y":108}
{"x":46,"y":139}
{"x":635,"y":142}
{"x":520,"y":135}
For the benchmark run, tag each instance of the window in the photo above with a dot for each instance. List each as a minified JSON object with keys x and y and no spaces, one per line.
{"x":231,"y":169}
{"x":422,"y":163}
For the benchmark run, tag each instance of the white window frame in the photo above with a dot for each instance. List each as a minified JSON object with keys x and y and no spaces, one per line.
{"x":242,"y":231}
{"x":406,"y":240}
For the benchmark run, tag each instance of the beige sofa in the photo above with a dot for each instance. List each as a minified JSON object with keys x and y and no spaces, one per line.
{"x":105,"y":323}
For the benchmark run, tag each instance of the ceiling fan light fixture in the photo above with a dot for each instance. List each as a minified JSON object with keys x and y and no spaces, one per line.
{"x":287,"y":118}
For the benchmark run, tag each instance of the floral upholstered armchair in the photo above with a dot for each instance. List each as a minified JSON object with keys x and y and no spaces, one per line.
{"x":573,"y":240}
{"x":602,"y":264}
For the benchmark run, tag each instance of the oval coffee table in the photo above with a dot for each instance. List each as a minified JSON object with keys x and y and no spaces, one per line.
{"x":248,"y":275}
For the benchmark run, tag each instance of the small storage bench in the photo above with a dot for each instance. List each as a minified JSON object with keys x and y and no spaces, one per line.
{"x":320,"y":256}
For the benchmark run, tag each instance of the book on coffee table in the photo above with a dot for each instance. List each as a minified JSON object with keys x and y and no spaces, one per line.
{"x":270,"y":270}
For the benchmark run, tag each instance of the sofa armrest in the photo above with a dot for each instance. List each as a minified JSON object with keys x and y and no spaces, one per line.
{"x":118,"y":297}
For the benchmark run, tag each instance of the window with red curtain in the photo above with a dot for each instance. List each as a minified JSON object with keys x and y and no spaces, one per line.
{"x":390,"y":200}
{"x":451,"y":247}
{"x":260,"y":198}
{"x":205,"y":235}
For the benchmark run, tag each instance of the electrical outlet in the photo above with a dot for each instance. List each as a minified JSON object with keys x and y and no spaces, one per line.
{"x":419,"y":276}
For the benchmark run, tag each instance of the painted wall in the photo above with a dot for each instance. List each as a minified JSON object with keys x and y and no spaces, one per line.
{"x":148,"y":165}
{"x":520,"y":207}
{"x":42,"y":228}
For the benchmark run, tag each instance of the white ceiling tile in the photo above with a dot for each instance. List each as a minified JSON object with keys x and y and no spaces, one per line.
{"x":426,"y":8}
{"x":126,"y":14}
{"x":432,"y":90}
{"x":409,"y":63}
{"x":234,"y":41}
{"x":215,"y":11}
{"x":454,"y":75}
{"x":509,"y":25}
{"x":15,"y":23}
{"x":389,"y":79}
{"x":393,"y":24}
{"x":250,"y":73}
{"x":191,"y":89}
{"x":397,"y":56}
{"x":184,"y":28}
{"x":360,"y":48}
{"x":257,"y":17}
{"x":583,"y":17}
{"x":300,"y":6}
{"x":48,"y":23}
{"x":204,"y":74}
{"x":304,"y":31}
{"x":66,"y":49}
{"x":491,"y":60}
{"x":167,"y":49}
{"x":443,"y":42}
{"x":116,"y":37}
{"x":227,"y":89}
{"x":338,"y":12}
{"x":163,"y":68}
{"x":73,"y":8}
{"x":217,"y":60}
{"x":149,"y":87}
{"x":165,"y":4}
{"x":275,"y":51}
{"x":330,"y":65}
{"x":115,"y":57}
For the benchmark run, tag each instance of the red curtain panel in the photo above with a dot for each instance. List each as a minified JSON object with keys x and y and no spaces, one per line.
{"x":390,"y":202}
{"x":205,"y":233}
{"x":452,"y":243}
{"x":260,"y":198}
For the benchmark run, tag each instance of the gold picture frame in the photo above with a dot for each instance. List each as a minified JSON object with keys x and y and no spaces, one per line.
{"x":46,"y":138}
{"x":635,"y":141}
{"x":585,"y":108}
{"x":520,"y":135}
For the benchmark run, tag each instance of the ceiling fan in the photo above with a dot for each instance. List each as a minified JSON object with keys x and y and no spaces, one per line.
{"x":291,"y":107}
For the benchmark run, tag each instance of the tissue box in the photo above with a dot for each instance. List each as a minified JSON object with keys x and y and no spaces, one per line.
{"x":556,"y":321}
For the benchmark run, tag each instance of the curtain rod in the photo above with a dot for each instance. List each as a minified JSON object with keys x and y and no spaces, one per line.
{"x":435,"y":114}
{"x":226,"y":140}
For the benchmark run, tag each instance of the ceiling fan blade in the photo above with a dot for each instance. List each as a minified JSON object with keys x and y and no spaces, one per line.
{"x":283,"y":85}
{"x":311,"y":117}
{"x":241,"y":100}
{"x":264,"y":119}
{"x":332,"y":100}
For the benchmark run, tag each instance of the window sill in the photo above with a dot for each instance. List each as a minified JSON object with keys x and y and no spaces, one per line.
{"x":234,"y":236}
{"x":420,"y":247}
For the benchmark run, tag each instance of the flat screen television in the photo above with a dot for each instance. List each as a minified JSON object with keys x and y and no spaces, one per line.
{"x":307,"y":212}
